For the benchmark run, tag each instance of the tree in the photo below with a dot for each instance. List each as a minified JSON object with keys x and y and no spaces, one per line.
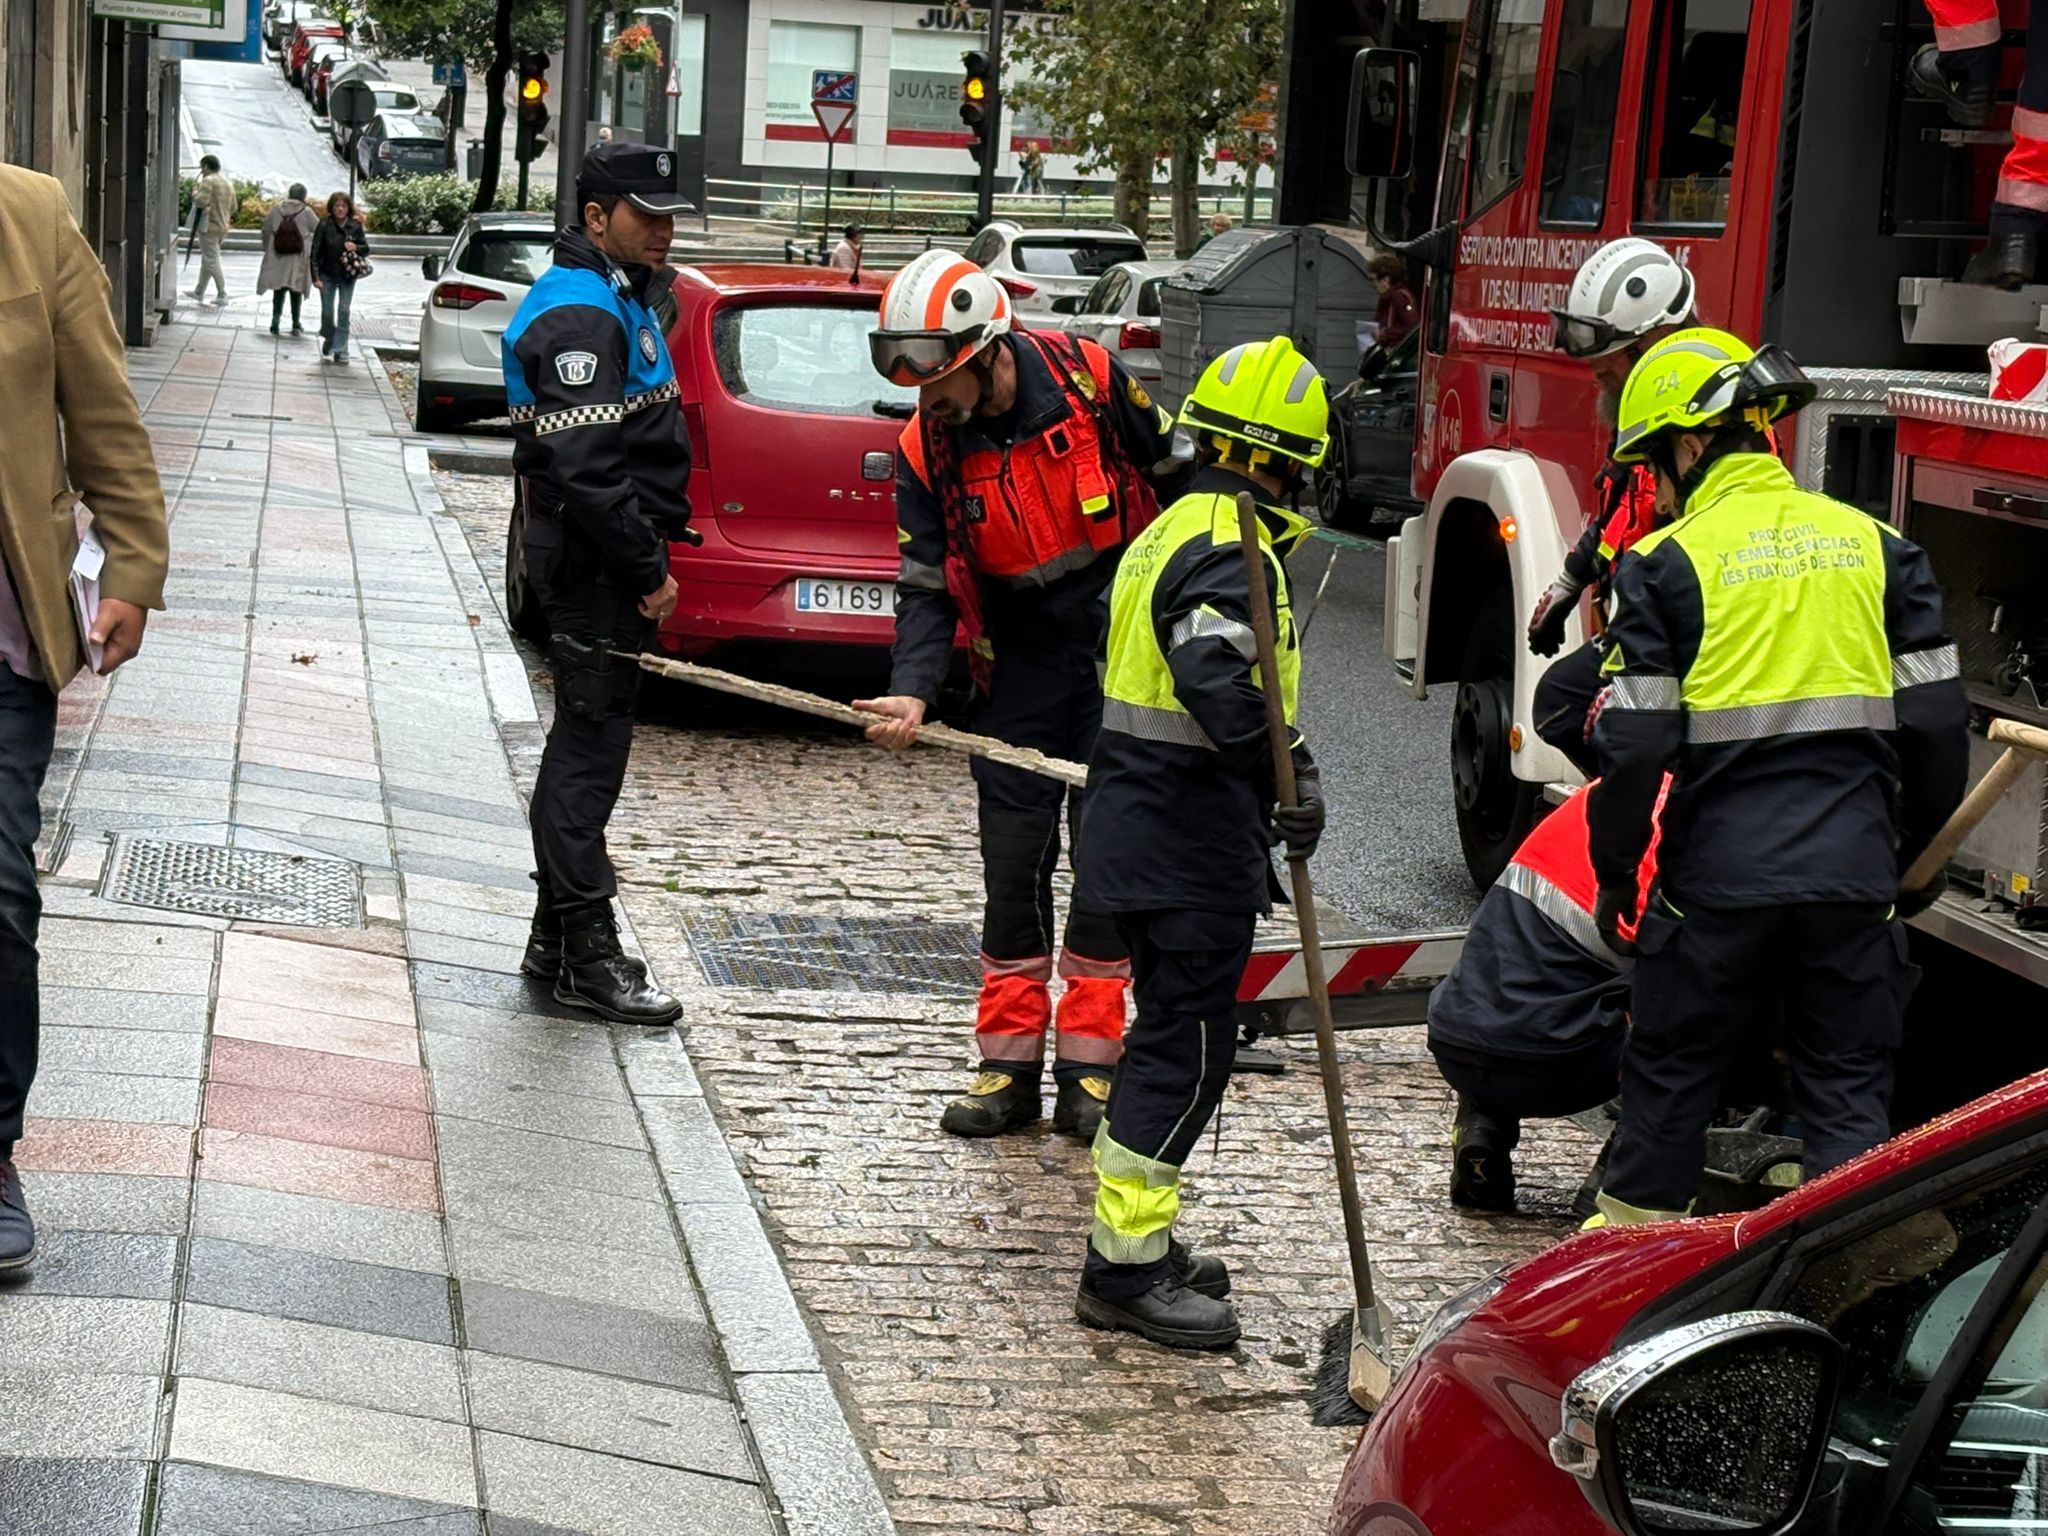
{"x":441,"y":29}
{"x":1128,"y":83}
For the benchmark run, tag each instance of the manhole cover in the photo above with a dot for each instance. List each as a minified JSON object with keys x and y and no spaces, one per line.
{"x":233,"y":882}
{"x":836,"y":954}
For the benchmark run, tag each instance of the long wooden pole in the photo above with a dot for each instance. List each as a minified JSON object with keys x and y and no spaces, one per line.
{"x":2022,"y":743}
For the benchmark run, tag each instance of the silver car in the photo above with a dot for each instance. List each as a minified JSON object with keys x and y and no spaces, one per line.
{"x":1039,"y":266}
{"x":1122,"y":313}
{"x":395,"y":99}
{"x":478,"y":287}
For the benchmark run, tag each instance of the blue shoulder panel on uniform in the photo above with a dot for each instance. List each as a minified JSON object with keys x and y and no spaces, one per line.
{"x":557,"y":288}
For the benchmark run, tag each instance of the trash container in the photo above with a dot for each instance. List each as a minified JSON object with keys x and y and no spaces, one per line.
{"x":476,"y":160}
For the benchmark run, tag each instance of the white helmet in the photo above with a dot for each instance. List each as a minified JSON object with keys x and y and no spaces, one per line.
{"x":936,"y":314}
{"x":1626,"y":289}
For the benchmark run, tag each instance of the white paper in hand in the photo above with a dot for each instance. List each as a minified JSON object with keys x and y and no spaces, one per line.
{"x":85,"y":593}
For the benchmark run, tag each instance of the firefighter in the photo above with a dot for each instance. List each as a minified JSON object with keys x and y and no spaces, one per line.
{"x":1026,"y":471}
{"x":1626,"y":296}
{"x":1783,"y":656}
{"x":1959,"y":69}
{"x":1529,"y":1023}
{"x":1175,"y":829}
{"x":606,"y":464}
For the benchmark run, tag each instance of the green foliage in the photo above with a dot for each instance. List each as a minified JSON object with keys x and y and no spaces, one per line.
{"x":436,"y":205}
{"x":436,"y":29}
{"x":250,"y":203}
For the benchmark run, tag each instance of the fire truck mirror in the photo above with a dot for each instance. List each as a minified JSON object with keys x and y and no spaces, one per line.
{"x":1379,"y":140}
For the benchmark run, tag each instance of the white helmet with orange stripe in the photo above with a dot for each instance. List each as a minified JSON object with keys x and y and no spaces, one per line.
{"x":937,"y":313}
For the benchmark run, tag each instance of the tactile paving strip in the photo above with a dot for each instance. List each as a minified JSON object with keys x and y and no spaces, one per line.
{"x":213,"y":881}
{"x":783,"y":951}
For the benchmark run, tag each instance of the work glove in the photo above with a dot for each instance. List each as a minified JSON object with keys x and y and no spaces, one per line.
{"x":1615,"y":905}
{"x":1553,"y":611}
{"x":1301,"y":828}
{"x":1611,"y":486}
{"x":1913,"y":903}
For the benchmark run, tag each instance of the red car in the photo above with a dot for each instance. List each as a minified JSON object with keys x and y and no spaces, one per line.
{"x":793,"y":464}
{"x":303,"y":38}
{"x":1866,"y":1355}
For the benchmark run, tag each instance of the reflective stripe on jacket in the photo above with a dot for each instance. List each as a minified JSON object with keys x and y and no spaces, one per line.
{"x":1784,"y":653}
{"x":1181,"y":786}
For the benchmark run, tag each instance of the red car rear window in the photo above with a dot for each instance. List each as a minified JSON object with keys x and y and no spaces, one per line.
{"x":803,"y":357}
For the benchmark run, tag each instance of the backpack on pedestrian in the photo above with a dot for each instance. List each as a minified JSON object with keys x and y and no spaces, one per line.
{"x":289,"y":239}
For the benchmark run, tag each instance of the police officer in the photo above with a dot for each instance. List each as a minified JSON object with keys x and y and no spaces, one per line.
{"x":600,"y":442}
{"x":1025,"y":473}
{"x":1175,"y":828}
{"x":1783,"y":655}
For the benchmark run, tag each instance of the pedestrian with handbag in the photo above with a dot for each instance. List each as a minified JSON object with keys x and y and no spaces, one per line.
{"x":341,"y":259}
{"x":287,"y":270}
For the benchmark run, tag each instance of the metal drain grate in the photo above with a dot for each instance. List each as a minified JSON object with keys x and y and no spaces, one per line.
{"x":774,"y":950}
{"x":234,"y":882}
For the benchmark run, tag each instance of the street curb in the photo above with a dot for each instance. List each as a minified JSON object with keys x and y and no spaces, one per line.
{"x":465,"y":461}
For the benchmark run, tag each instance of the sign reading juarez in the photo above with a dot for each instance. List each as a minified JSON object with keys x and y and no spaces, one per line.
{"x":177,"y":13}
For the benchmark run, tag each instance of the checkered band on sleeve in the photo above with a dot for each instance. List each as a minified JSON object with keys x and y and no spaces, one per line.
{"x":520,"y":413}
{"x":578,"y":416}
{"x":667,"y":391}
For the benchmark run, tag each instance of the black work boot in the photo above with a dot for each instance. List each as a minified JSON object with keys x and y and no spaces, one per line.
{"x":1001,"y":1098}
{"x":543,"y":959}
{"x":1198,"y":1271}
{"x":1967,"y":96}
{"x":17,"y":1230}
{"x":1170,"y":1314}
{"x":596,"y":973}
{"x":1077,"y":1107}
{"x":2007,"y":261}
{"x":1482,"y":1166}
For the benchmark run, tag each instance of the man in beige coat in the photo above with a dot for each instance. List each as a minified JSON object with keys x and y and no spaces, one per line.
{"x":216,"y":197}
{"x":73,"y":435}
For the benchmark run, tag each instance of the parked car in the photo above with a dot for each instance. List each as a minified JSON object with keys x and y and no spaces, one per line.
{"x":281,"y":19}
{"x":478,"y":287}
{"x":1368,"y":476}
{"x":1867,"y":1354}
{"x":798,"y":546}
{"x":304,"y":36}
{"x":400,"y":143}
{"x":351,"y":66}
{"x":1121,"y":311}
{"x":1038,"y":266}
{"x":387,"y":98}
{"x":321,"y":60}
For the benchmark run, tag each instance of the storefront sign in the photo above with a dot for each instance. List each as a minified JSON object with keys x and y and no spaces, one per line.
{"x":198,"y":16}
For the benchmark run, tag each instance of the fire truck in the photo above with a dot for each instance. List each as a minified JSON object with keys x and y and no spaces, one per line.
{"x":1775,"y":147}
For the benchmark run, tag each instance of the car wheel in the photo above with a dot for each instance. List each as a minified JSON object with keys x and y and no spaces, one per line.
{"x":522,"y":605}
{"x":1495,"y":810}
{"x":428,"y":417}
{"x":1334,"y":502}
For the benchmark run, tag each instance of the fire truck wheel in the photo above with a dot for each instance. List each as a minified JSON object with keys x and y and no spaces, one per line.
{"x":1495,"y":809}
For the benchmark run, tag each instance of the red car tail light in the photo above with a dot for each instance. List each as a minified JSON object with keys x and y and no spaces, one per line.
{"x":1134,"y":336}
{"x":700,"y":445}
{"x":464,"y":296}
{"x":1017,"y":287}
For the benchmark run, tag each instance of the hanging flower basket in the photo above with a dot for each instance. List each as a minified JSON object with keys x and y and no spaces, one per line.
{"x":635,"y":48}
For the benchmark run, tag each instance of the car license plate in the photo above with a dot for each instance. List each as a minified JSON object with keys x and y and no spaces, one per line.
{"x":814,"y":595}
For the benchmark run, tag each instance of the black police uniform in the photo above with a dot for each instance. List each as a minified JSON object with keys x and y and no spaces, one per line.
{"x":599,"y":439}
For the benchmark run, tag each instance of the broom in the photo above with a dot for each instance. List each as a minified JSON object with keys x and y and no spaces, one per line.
{"x":1356,"y":1372}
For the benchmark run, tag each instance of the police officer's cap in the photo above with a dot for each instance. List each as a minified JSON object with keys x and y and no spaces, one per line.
{"x":643,"y":174}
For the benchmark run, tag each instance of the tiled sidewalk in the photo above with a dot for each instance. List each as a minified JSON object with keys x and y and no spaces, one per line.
{"x":348,"y":1226}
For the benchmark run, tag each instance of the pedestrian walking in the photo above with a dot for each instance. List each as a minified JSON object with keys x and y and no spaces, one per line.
{"x":341,"y":259}
{"x":1028,"y":468}
{"x":1031,"y":170}
{"x":1782,"y":655}
{"x":72,"y":422}
{"x":287,"y":271}
{"x":846,"y":254}
{"x":1179,"y":817}
{"x":215,"y":196}
{"x":607,"y":467}
{"x":1219,"y":224}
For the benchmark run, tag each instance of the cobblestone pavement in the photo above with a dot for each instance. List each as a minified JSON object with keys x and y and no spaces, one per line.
{"x":940,"y":1273}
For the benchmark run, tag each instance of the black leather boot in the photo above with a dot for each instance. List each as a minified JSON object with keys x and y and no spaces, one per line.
{"x":2007,"y":261}
{"x":999,"y":1099}
{"x":1169,"y":1314}
{"x":596,"y":974}
{"x":1482,"y":1162}
{"x":543,"y":960}
{"x":1077,"y":1107}
{"x":1967,"y":97}
{"x":1198,"y":1271}
{"x":17,"y":1229}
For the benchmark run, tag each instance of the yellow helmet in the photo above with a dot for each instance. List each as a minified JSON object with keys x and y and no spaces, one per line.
{"x":1267,"y":394}
{"x":1695,"y":377}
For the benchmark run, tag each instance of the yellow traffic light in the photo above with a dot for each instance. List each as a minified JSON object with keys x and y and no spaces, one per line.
{"x":976,"y":88}
{"x":532,"y":89}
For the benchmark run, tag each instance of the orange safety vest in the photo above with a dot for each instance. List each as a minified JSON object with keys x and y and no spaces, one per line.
{"x":1553,"y":870}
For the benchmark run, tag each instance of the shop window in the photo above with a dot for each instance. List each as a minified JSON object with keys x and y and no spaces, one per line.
{"x":795,"y":50}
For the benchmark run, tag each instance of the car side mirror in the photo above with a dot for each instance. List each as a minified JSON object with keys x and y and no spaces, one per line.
{"x":1072,"y":304}
{"x":431,"y":267}
{"x":1379,"y":133}
{"x":1718,"y":1425}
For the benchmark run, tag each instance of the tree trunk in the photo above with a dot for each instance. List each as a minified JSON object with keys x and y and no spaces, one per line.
{"x":1134,"y":193}
{"x":494,"y":106}
{"x":1187,"y":212}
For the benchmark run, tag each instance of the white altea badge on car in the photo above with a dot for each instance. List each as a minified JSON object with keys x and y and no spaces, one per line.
{"x":576,"y":368}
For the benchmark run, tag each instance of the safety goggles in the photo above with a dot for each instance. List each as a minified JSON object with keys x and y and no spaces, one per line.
{"x":1582,"y":338}
{"x":918,"y":357}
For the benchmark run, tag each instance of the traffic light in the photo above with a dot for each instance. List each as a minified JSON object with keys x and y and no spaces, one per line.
{"x":977,"y":96}
{"x":533,"y":103}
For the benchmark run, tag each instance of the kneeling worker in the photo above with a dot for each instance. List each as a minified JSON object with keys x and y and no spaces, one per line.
{"x":1175,"y":827}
